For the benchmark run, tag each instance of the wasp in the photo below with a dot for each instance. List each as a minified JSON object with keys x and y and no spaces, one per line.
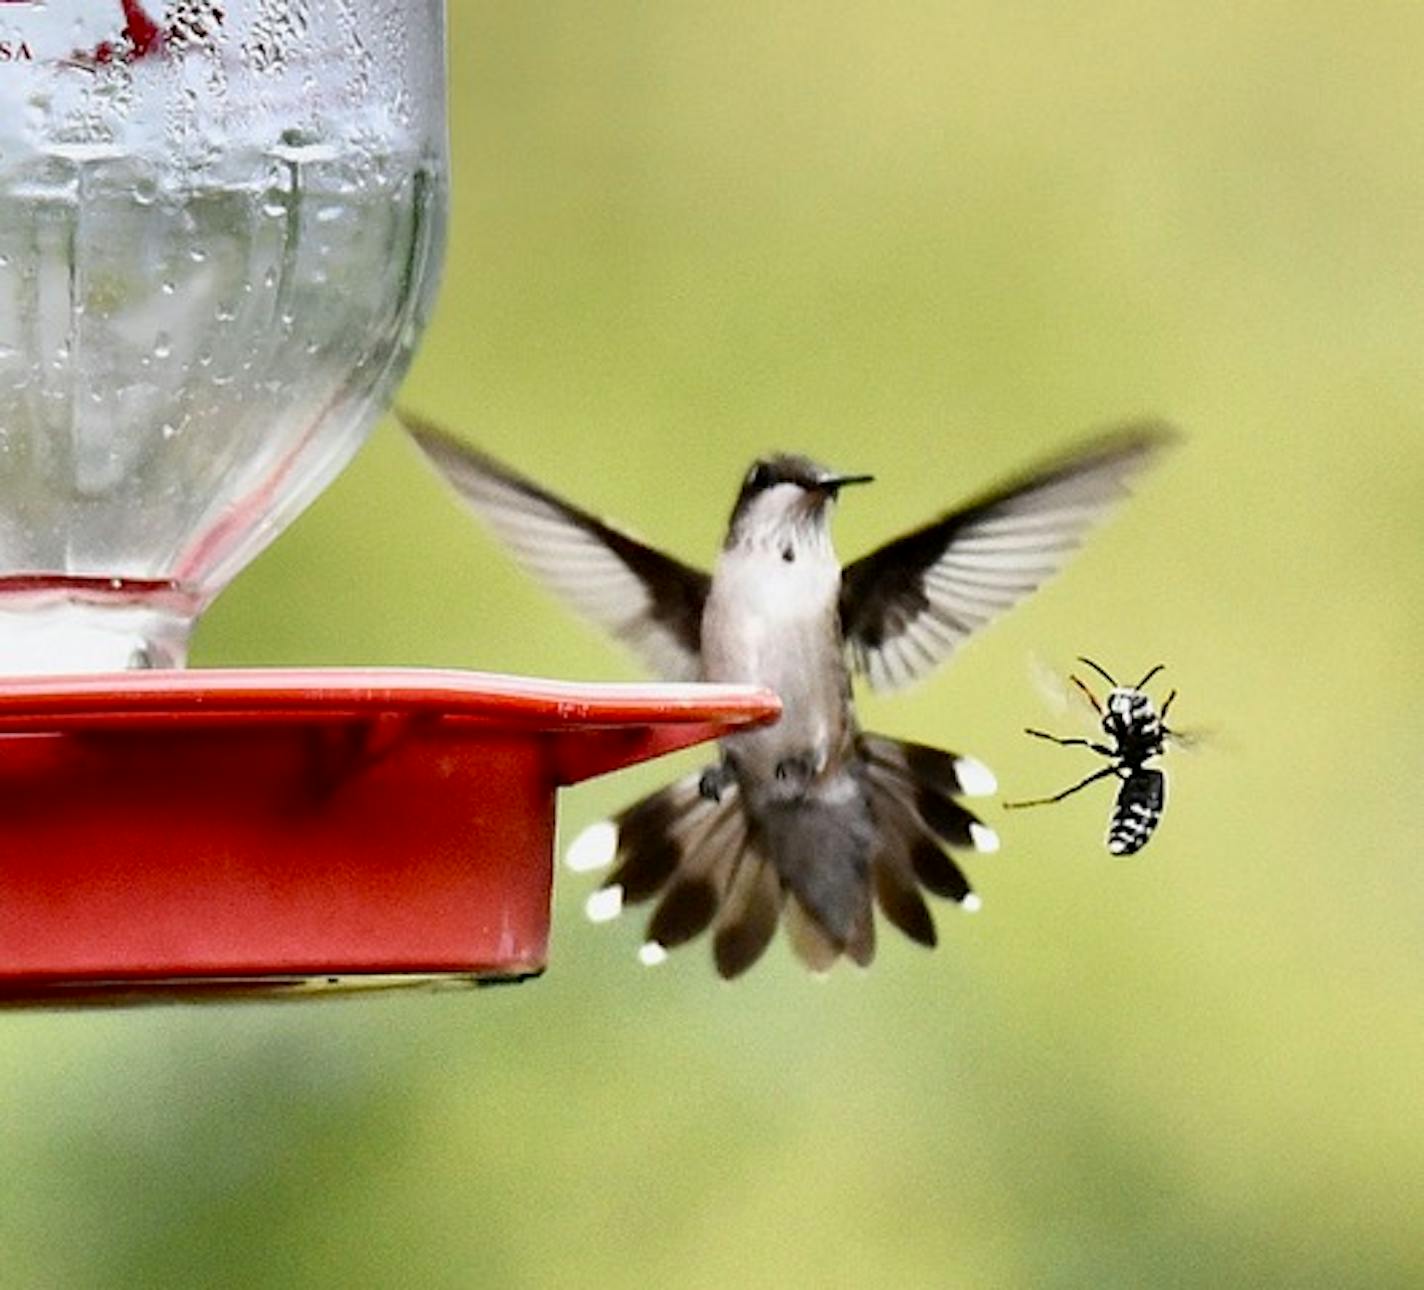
{"x":1138,"y":733}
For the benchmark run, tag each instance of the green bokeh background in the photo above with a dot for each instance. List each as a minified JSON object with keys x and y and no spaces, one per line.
{"x":934,"y":241}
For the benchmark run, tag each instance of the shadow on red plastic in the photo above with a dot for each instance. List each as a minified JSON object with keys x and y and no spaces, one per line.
{"x":220,"y":834}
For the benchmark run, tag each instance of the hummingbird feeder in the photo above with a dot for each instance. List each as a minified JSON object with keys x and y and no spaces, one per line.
{"x":220,"y":236}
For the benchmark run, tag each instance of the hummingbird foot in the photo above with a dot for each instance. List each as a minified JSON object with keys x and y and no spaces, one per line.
{"x":715,"y":781}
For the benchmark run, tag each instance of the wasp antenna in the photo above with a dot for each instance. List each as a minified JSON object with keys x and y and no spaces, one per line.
{"x":1150,"y":675}
{"x":1162,"y":716}
{"x":1102,"y":672}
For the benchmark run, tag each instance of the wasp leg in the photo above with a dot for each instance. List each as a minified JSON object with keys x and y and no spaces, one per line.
{"x":1067,"y":792}
{"x":1101,"y":749}
{"x":1092,"y":698}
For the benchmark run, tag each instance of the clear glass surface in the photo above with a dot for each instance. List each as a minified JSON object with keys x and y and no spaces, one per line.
{"x":220,"y":231}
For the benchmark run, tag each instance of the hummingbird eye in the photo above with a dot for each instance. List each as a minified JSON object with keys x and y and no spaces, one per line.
{"x":759,"y":477}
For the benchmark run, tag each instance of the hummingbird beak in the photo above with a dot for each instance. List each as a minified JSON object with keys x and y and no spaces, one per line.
{"x":832,"y":484}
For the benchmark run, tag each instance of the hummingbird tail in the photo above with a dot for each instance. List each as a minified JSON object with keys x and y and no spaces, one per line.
{"x":695,"y":854}
{"x":817,"y":949}
{"x":875,"y":836}
{"x":914,"y":791}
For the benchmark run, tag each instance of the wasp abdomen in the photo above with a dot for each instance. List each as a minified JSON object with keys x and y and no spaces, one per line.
{"x":1140,"y":802}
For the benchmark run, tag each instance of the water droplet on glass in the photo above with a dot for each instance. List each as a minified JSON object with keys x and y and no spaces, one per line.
{"x":162,"y":345}
{"x":168,"y":288}
{"x":205,"y":359}
{"x":197,"y":254}
{"x":4,"y":261}
{"x":225,"y":312}
{"x":326,"y":214}
{"x":169,"y":430}
{"x":269,"y":279}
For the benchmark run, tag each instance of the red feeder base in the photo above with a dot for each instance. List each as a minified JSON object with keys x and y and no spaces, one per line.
{"x":216,"y":833}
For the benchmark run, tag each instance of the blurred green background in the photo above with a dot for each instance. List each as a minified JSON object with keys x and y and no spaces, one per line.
{"x":933,"y":241}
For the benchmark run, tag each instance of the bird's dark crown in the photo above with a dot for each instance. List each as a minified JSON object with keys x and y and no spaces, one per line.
{"x":819,"y":484}
{"x":779,"y":468}
{"x":784,"y":468}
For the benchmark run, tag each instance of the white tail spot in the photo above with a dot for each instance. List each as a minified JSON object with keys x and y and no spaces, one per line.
{"x":984,"y":838}
{"x":594,"y":848}
{"x":975,"y":778}
{"x":605,"y":904}
{"x":652,"y":954}
{"x":971,"y":904}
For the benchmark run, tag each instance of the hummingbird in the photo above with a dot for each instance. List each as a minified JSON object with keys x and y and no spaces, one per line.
{"x":810,"y":822}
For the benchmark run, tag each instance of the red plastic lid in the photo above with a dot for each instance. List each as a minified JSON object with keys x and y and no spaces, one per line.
{"x":211,"y":833}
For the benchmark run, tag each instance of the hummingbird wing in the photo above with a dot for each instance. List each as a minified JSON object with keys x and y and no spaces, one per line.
{"x":907,"y":606}
{"x":649,"y":600}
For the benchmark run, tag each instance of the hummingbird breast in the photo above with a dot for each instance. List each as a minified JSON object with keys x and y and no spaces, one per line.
{"x":775,"y":623}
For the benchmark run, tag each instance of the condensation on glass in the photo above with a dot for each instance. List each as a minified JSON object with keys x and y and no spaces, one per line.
{"x":220,"y":230}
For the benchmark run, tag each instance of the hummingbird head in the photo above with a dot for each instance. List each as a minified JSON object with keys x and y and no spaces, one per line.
{"x":786,"y":499}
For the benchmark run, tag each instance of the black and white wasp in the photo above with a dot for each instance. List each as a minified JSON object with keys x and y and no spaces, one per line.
{"x":1138,"y":733}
